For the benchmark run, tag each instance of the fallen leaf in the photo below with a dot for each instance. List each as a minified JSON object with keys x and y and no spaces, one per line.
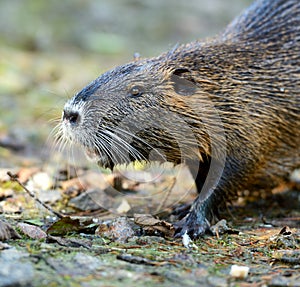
{"x":152,"y":225}
{"x":7,"y":231}
{"x":67,"y":225}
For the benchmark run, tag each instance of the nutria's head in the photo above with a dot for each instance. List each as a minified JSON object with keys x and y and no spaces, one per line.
{"x":142,"y":111}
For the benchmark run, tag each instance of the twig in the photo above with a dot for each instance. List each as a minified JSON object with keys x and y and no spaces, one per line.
{"x":14,"y":177}
{"x":139,"y":260}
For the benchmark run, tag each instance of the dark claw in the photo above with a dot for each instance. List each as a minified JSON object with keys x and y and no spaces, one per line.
{"x":192,"y":226}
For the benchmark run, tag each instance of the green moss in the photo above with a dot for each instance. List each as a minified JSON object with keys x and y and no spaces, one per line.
{"x":11,"y":185}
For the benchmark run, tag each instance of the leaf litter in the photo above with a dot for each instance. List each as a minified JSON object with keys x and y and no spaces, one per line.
{"x":76,"y":255}
{"x":265,"y":254}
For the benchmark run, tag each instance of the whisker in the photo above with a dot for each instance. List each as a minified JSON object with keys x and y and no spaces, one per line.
{"x":105,"y":144}
{"x":123,"y":144}
{"x":138,"y":139}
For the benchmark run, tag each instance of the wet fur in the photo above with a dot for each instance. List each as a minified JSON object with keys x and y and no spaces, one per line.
{"x":249,"y":75}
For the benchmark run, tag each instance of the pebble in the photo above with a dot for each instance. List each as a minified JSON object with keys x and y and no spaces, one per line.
{"x":237,"y":271}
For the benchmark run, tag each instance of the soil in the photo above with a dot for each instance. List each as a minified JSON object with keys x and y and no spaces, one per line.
{"x":115,"y":229}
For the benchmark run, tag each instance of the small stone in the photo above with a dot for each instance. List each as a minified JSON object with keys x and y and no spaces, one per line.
{"x":32,"y":231}
{"x":220,"y":227}
{"x":187,"y":241}
{"x":123,"y":207}
{"x":240,"y":272}
{"x":41,"y":180}
{"x":119,"y":230}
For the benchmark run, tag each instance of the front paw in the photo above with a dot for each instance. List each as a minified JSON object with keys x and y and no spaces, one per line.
{"x":193,"y":224}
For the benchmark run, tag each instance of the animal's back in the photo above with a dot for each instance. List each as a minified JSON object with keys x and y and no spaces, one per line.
{"x":251,"y":72}
{"x":271,"y":30}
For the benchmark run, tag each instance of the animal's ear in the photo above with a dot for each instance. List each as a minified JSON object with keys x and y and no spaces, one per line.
{"x":183,"y":82}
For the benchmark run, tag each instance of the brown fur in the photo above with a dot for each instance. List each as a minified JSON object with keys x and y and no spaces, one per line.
{"x":233,"y":101}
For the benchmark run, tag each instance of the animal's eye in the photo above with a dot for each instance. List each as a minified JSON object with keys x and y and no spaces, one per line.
{"x":136,"y":91}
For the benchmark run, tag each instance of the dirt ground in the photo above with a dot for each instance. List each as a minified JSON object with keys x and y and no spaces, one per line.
{"x":92,"y":236}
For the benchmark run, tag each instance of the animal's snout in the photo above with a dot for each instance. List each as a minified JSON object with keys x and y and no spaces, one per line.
{"x":70,"y":116}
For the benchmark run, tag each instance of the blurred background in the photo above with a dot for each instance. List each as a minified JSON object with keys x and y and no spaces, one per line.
{"x":51,"y":49}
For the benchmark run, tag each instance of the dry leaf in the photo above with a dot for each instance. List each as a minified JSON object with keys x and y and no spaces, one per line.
{"x":67,"y":224}
{"x":153,"y":225}
{"x":7,"y":231}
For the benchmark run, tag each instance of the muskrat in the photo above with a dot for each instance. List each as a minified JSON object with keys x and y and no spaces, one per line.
{"x":228,"y":107}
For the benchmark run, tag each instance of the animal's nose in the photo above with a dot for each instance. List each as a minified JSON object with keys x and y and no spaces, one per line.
{"x":72,"y":117}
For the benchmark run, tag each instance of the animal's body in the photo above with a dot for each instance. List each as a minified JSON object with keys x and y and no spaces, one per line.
{"x":229,"y":108}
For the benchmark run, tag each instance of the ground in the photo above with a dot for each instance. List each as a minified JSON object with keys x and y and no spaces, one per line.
{"x":97,"y":237}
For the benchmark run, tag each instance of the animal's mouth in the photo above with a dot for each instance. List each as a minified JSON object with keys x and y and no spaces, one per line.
{"x":85,"y":138}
